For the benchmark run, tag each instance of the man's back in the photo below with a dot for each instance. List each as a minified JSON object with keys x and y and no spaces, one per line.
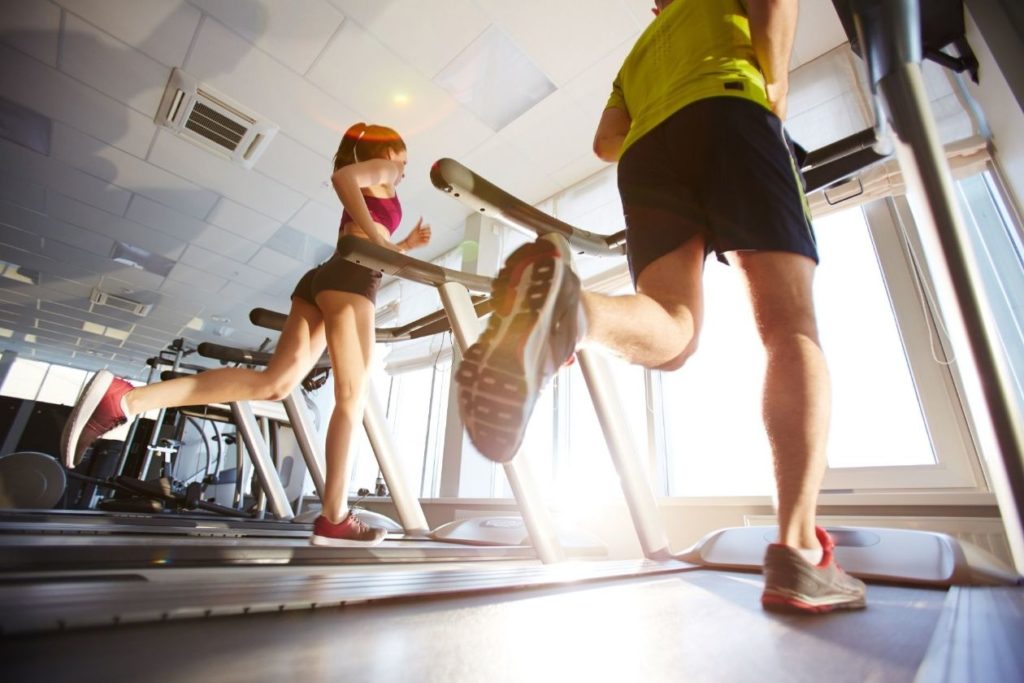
{"x":694,"y":50}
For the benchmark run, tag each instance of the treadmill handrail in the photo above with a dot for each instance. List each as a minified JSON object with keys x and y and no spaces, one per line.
{"x":232,"y":354}
{"x":430,"y":324}
{"x":390,"y":262}
{"x":485,"y":197}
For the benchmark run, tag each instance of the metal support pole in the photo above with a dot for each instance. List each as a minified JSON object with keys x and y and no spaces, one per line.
{"x":410,"y":513}
{"x":634,"y":479}
{"x":245,"y":421}
{"x":154,"y":435}
{"x":466,"y":329}
{"x":308,"y":446}
{"x":890,"y":32}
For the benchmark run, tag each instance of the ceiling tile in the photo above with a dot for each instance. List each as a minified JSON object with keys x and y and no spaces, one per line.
{"x":226,"y":62}
{"x":550,"y":133}
{"x":163,"y":29}
{"x":110,"y":66}
{"x":71,"y":211}
{"x":818,"y":30}
{"x":416,"y":31}
{"x":184,"y":291}
{"x":641,"y":11}
{"x":591,"y":87}
{"x":126,"y":171}
{"x":200,"y":279}
{"x":229,"y":269}
{"x":137,"y":279}
{"x":294,"y":32}
{"x":580,"y":168}
{"x":275,"y":263}
{"x":509,"y":167}
{"x":57,"y":95}
{"x":226,"y":244}
{"x":56,"y":175}
{"x":42,"y":226}
{"x":17,"y":190}
{"x":32,"y":27}
{"x":603,"y":23}
{"x":181,"y":157}
{"x":62,"y":288}
{"x":242,"y":220}
{"x":238,"y":293}
{"x":319,"y":221}
{"x":392,"y":93}
{"x":295,"y":166}
{"x":299,"y":246}
{"x":146,"y":211}
{"x":453,"y":135}
{"x":17,"y":238}
{"x":440,"y":210}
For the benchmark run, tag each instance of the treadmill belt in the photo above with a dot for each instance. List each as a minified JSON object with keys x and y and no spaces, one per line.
{"x":697,"y":625}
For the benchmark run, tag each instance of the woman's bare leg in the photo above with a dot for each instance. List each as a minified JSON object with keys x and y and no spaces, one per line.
{"x":300,"y":345}
{"x":349,"y":328}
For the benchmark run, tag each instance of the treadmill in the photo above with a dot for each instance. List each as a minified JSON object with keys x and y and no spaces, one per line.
{"x":671,"y":620}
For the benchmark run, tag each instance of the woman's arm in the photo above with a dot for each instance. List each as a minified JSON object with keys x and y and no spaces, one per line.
{"x":348,"y":182}
{"x":419,"y":237}
{"x":611,"y":133}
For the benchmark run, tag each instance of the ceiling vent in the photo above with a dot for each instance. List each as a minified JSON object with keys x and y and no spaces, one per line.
{"x":101,"y":298}
{"x":213,"y":121}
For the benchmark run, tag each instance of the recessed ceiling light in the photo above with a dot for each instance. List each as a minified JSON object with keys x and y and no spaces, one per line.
{"x":4,"y":332}
{"x":30,"y":338}
{"x":195,"y":324}
{"x":115,"y":333}
{"x":13,"y":271}
{"x":494,"y":79}
{"x":137,"y":257}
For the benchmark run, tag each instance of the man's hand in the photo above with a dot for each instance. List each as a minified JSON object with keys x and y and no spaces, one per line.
{"x":777,"y":93}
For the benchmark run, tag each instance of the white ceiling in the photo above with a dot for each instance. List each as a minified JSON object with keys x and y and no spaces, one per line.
{"x":240,"y":238}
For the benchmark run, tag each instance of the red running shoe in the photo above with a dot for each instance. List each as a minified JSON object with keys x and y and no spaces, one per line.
{"x":792,"y":584}
{"x":97,"y":411}
{"x":350,"y":531}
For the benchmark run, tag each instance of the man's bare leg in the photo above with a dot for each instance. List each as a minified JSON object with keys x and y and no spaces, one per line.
{"x":658,"y":326}
{"x":797,"y":393}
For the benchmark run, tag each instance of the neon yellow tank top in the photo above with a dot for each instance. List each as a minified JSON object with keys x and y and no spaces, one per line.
{"x":694,"y":50}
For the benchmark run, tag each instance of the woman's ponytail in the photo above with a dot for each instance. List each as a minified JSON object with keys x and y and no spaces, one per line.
{"x":365,"y":141}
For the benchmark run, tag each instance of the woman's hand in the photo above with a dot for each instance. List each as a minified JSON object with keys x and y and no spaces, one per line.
{"x":419,"y":237}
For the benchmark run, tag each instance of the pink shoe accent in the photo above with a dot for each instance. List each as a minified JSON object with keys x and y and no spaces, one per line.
{"x":351,"y":531}
{"x":97,"y":411}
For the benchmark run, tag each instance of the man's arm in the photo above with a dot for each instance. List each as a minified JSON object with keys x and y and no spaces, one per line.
{"x":772,"y":28}
{"x":611,"y":133}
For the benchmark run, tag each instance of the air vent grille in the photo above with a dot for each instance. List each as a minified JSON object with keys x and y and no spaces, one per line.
{"x":101,"y":298}
{"x":216,"y":127}
{"x":213,"y":121}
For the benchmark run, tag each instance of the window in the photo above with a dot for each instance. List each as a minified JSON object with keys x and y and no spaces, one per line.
{"x":879,"y":437}
{"x":417,"y":422}
{"x":24,"y":379}
{"x":997,"y":244}
{"x":62,"y":385}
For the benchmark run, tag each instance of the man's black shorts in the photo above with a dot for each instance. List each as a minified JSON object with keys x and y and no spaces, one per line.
{"x":720,"y":167}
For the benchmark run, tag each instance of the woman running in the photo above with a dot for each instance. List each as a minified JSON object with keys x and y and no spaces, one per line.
{"x":332,"y":306}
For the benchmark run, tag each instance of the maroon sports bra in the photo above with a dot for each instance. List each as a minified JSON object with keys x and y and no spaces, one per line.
{"x":385,"y":210}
